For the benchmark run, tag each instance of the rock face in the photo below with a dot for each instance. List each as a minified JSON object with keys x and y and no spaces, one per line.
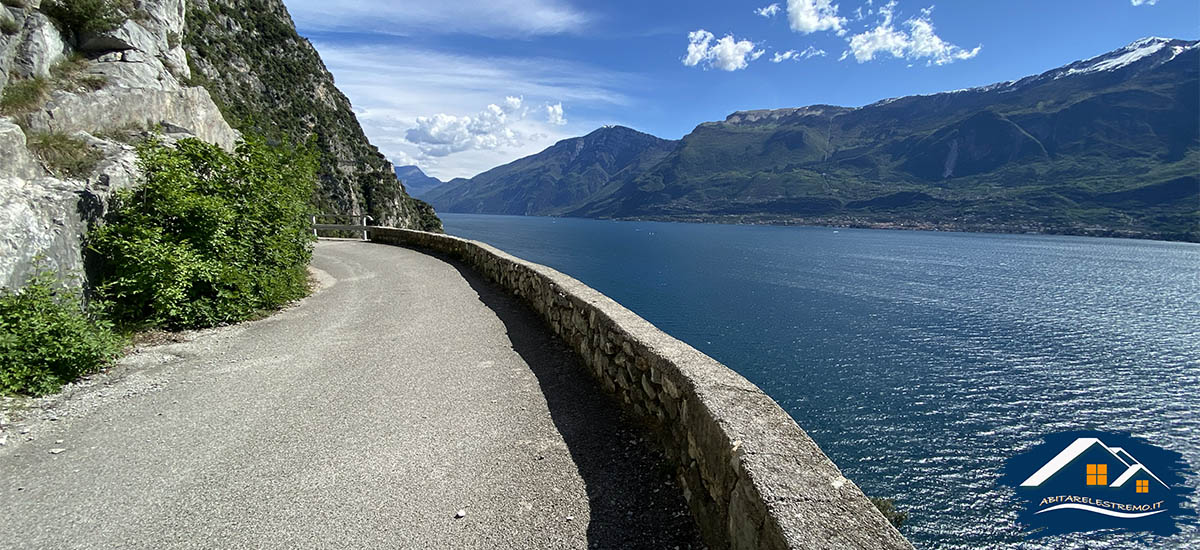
{"x":100,"y":88}
{"x":268,"y":79}
{"x":122,"y":81}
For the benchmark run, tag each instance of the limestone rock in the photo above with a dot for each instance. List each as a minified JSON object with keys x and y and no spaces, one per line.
{"x":40,"y":47}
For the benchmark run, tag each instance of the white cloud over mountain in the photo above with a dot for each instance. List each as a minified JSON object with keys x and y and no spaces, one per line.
{"x":915,"y":40}
{"x":1143,"y":2}
{"x":554,"y":114}
{"x":727,"y":53}
{"x":391,"y":86}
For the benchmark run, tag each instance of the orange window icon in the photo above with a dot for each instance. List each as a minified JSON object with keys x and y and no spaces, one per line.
{"x":1097,"y":474}
{"x":1143,"y":486}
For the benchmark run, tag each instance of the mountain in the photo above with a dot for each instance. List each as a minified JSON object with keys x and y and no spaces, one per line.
{"x":267,"y":78}
{"x":1104,"y":146}
{"x":415,"y":181}
{"x":564,"y":177}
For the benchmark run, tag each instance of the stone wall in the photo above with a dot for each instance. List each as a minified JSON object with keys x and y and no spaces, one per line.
{"x":752,"y":477}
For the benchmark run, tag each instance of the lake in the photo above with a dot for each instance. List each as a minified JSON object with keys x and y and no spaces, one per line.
{"x":919,"y":361}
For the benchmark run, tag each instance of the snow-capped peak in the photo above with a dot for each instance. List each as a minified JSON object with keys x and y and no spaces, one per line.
{"x":1123,"y":57}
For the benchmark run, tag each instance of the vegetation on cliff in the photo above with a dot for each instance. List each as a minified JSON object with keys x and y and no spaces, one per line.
{"x":268,"y":79}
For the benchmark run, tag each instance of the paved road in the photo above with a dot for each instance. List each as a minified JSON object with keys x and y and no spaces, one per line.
{"x":365,"y":417}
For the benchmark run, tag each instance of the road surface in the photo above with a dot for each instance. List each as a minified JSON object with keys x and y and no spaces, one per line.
{"x":367,"y":416}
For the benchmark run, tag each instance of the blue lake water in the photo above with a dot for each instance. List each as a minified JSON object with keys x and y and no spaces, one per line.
{"x":919,"y":361}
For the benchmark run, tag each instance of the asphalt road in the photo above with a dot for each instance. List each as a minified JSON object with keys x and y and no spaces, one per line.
{"x":365,"y":417}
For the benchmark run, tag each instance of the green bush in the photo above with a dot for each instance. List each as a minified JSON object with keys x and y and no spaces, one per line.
{"x":85,"y":16}
{"x":887,"y":506}
{"x":46,"y":338}
{"x":66,"y":156}
{"x":210,"y":237}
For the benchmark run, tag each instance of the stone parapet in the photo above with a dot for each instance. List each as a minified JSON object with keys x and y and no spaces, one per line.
{"x":752,"y":477}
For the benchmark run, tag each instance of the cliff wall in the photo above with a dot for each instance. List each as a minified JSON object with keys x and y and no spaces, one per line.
{"x":78,"y":88}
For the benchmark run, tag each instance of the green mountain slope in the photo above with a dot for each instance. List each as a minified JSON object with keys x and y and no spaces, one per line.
{"x":1105,"y":146}
{"x":561,"y":178}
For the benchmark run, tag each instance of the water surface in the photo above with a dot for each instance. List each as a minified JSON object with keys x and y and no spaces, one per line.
{"x":919,"y":361}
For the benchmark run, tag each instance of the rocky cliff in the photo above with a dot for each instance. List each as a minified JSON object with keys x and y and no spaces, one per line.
{"x":80,"y":81}
{"x":268,"y":79}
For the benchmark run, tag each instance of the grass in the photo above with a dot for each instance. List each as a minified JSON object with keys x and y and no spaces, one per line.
{"x":69,"y":74}
{"x":24,"y":96}
{"x":66,"y":156}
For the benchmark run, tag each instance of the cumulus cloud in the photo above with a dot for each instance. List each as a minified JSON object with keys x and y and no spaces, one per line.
{"x":1143,"y":2}
{"x":916,"y":40}
{"x":442,"y":134}
{"x":768,"y":11}
{"x":808,"y":52}
{"x":554,"y":114}
{"x":809,"y":16}
{"x":727,"y":54}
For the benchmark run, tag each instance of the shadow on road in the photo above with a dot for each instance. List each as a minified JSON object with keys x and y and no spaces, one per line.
{"x":634,"y":502}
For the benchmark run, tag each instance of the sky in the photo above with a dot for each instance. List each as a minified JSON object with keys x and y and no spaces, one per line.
{"x":460,"y":86}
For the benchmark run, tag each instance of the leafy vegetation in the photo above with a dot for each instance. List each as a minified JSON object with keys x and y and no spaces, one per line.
{"x":887,"y":506}
{"x":209,"y":237}
{"x":87,"y":16}
{"x":47,"y":338}
{"x":289,"y":96}
{"x":66,"y":156}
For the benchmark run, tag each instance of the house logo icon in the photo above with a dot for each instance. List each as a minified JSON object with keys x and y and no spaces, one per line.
{"x":1087,"y":481}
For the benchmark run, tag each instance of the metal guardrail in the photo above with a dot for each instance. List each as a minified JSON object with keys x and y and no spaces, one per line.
{"x":360,"y":225}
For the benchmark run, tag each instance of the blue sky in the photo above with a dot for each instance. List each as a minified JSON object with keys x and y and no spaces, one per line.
{"x":460,"y":87}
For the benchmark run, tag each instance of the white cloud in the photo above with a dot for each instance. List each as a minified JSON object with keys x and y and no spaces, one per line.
{"x":768,"y":11}
{"x":503,"y":18}
{"x":808,"y":52}
{"x":809,"y":16}
{"x":919,"y":41}
{"x":392,"y":85}
{"x":1143,"y":2}
{"x":727,"y":54}
{"x":554,"y":114}
{"x":442,"y":134}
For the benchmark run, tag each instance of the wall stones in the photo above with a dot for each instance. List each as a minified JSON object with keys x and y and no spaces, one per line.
{"x":752,"y":477}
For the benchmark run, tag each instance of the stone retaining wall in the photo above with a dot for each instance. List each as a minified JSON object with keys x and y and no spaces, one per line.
{"x":752,"y":477}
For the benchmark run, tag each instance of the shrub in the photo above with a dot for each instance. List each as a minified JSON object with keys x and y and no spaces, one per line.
{"x":9,"y":26}
{"x":46,"y":338}
{"x":887,"y":506}
{"x":87,"y":16}
{"x":209,"y":237}
{"x":66,"y":156}
{"x":23,"y":96}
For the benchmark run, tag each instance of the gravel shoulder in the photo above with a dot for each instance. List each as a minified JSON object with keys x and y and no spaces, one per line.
{"x":368,"y":415}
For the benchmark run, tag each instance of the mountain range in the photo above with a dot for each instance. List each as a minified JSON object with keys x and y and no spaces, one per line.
{"x":1106,"y":146}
